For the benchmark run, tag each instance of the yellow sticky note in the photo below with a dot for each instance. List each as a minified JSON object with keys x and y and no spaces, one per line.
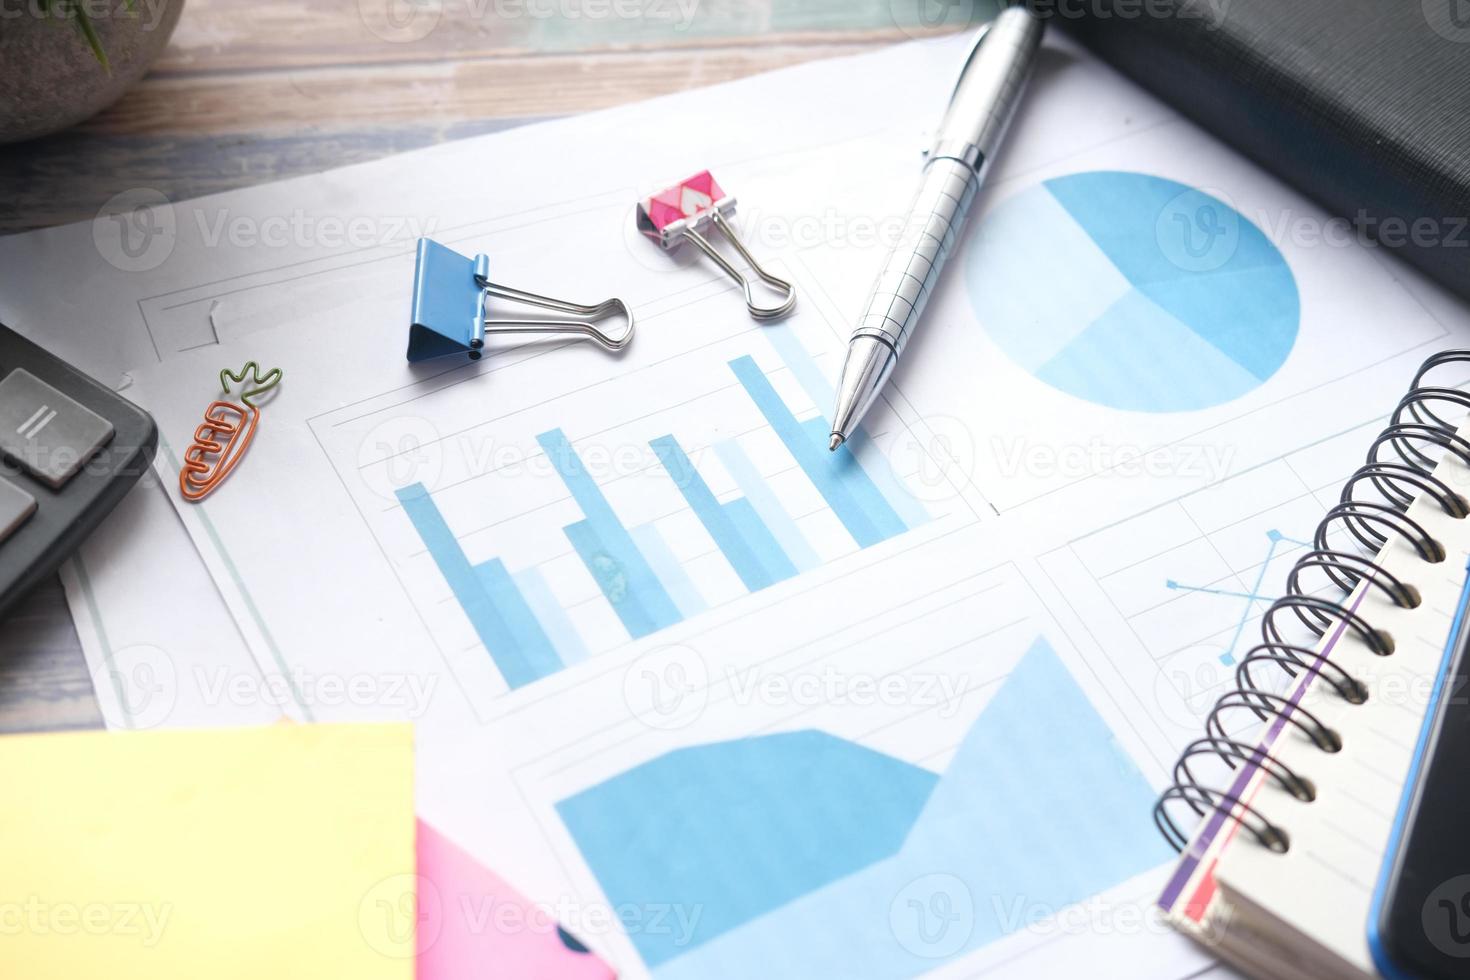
{"x":262,"y":853}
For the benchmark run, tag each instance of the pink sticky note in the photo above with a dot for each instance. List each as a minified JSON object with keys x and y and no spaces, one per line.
{"x":474,"y":926}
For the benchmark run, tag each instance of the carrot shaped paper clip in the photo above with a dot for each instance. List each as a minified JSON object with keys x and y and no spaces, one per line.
{"x":228,"y":428}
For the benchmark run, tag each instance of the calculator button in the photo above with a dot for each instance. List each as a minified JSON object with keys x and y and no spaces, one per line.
{"x":47,"y":433}
{"x":15,"y":507}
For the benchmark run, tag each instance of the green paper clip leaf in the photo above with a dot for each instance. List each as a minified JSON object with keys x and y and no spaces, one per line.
{"x":253,"y":383}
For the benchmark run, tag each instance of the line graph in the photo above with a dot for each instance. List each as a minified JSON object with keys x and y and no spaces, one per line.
{"x":1174,"y":595}
{"x":1257,"y":594}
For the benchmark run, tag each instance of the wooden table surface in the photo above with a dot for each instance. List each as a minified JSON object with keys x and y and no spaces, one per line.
{"x":252,"y":92}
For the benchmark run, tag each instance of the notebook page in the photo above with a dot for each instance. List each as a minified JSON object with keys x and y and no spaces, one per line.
{"x":1322,"y":886}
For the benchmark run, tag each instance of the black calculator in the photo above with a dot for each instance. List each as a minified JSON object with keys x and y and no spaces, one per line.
{"x":69,"y":450}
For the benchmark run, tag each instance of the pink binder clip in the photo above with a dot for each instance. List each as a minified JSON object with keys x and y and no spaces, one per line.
{"x":685,"y":211}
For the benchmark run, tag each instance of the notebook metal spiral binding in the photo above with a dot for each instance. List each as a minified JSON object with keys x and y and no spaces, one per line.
{"x":1400,"y":468}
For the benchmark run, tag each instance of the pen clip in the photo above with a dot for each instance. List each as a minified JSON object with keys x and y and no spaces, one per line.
{"x":980,"y":37}
{"x":992,"y":90}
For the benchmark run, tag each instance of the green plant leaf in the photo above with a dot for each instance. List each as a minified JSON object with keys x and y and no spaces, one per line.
{"x":84,"y":24}
{"x":69,"y":10}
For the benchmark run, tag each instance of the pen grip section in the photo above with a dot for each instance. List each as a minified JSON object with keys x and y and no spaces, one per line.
{"x":930,"y":235}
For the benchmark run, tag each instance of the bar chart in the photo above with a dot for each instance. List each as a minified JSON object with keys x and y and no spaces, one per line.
{"x":704,"y":514}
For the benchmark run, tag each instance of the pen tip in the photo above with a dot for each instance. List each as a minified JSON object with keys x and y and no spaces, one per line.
{"x":836,"y":442}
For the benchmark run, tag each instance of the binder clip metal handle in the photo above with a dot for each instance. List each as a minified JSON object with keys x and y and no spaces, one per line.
{"x":586,"y":324}
{"x":451,"y":293}
{"x":682,"y":212}
{"x":775,"y":282}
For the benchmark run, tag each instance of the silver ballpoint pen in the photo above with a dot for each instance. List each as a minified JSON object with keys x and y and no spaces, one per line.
{"x":984,"y":100}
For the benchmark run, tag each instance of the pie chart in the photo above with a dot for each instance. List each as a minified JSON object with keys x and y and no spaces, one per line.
{"x":1133,"y":291}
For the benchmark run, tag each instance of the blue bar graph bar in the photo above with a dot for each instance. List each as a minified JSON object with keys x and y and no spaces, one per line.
{"x":819,"y":389}
{"x":800,"y":363}
{"x":767,"y":549}
{"x":681,"y":588}
{"x":829,"y":472}
{"x":607,"y":549}
{"x":738,"y":551}
{"x":537,"y":657}
{"x":517,"y":664}
{"x":611,"y":577}
{"x":564,"y":635}
{"x":856,"y":479}
{"x":772,"y":514}
{"x":910,"y":510}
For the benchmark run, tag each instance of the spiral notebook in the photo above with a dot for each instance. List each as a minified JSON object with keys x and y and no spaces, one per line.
{"x":1283,"y":809}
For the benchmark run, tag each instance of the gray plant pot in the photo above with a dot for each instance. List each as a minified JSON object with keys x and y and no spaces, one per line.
{"x":52,"y":79}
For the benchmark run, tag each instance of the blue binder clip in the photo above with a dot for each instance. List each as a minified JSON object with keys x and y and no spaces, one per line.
{"x":450,"y":295}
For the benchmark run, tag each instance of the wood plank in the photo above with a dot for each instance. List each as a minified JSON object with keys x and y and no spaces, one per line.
{"x":191,"y":135}
{"x":44,"y":683}
{"x":439,"y":94}
{"x":68,"y":177}
{"x":227,"y":35}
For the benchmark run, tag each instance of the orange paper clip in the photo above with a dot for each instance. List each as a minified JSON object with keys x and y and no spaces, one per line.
{"x":228,"y":429}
